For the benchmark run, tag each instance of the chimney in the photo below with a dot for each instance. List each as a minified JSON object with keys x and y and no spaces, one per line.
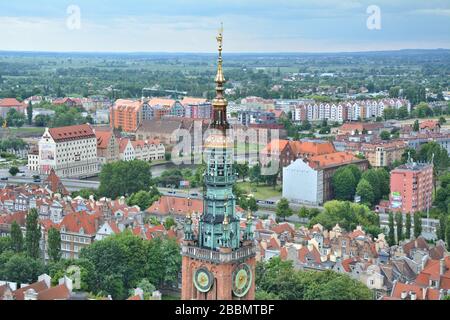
{"x":413,"y":295}
{"x":46,"y":278}
{"x":403,"y":295}
{"x":66,"y":281}
{"x":442,"y":267}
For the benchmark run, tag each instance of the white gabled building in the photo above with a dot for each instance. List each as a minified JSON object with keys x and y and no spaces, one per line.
{"x":302,"y":184}
{"x":71,"y":151}
{"x":126,"y":150}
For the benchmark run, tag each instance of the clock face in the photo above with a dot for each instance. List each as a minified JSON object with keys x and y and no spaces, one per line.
{"x":242,"y":280}
{"x":203,"y":280}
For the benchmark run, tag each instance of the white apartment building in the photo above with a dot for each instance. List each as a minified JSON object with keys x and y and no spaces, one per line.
{"x":71,"y":151}
{"x":302,"y":184}
{"x":347,"y":110}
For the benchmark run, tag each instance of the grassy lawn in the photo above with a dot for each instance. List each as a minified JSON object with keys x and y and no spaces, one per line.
{"x":27,"y":131}
{"x":241,"y":147}
{"x":260,"y":192}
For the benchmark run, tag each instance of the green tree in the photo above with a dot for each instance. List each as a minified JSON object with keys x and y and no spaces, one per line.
{"x":408,"y":226}
{"x":385,"y":135}
{"x":144,"y":199}
{"x":447,"y":232}
{"x":54,"y":244}
{"x":242,"y":170}
{"x":22,"y":269}
{"x":283,"y":210}
{"x":15,"y":118}
{"x":33,"y":234}
{"x":303,"y":212}
{"x":13,"y":171}
{"x":416,"y":126}
{"x":399,"y":222}
{"x":30,"y":113}
{"x":391,"y":235}
{"x":344,"y":183}
{"x":169,"y":222}
{"x":146,"y":287}
{"x":440,"y":232}
{"x":277,"y":279}
{"x":442,"y":120}
{"x":441,"y":161}
{"x":402,"y":113}
{"x":42,"y":120}
{"x":255,"y":173}
{"x":417,"y":224}
{"x":422,"y":110}
{"x":16,"y":237}
{"x":5,"y":244}
{"x":348,"y":215}
{"x":365,"y":191}
{"x":124,"y":178}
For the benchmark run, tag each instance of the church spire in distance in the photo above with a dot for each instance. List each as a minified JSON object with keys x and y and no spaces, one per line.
{"x":220,"y":103}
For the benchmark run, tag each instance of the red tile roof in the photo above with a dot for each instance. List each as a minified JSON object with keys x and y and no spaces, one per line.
{"x":60,"y":292}
{"x":73,"y":222}
{"x":37,"y":286}
{"x":175,"y":205}
{"x":55,"y":184}
{"x":83,"y":131}
{"x":103,"y":138}
{"x":332,"y":159}
{"x":10,"y":102}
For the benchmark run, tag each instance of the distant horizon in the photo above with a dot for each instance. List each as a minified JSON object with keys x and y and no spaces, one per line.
{"x":225,"y":52}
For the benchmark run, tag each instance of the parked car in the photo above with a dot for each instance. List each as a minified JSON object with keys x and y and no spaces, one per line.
{"x":4,"y":178}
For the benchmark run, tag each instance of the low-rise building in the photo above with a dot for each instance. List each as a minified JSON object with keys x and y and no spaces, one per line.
{"x":315,"y":174}
{"x":383,"y":154}
{"x":107,"y":146}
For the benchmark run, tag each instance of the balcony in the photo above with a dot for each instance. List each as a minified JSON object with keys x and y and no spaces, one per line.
{"x":220,"y":179}
{"x":216,"y":256}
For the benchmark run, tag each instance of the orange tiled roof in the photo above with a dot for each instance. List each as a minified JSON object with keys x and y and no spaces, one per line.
{"x":37,"y":286}
{"x":161,"y":102}
{"x":429,"y":124}
{"x":73,"y":222}
{"x":83,"y":131}
{"x":10,"y":102}
{"x":331,"y":159}
{"x":103,"y":138}
{"x":432,"y":272}
{"x":176,"y":205}
{"x":312,"y":148}
{"x":192,"y":101}
{"x":60,"y":292}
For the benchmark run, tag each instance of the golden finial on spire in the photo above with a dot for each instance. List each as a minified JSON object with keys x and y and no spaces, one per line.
{"x":220,"y":79}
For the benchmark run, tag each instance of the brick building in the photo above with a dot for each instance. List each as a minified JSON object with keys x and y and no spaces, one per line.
{"x":411,"y":187}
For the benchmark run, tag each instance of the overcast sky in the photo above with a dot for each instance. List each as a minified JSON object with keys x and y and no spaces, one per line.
{"x":250,"y":25}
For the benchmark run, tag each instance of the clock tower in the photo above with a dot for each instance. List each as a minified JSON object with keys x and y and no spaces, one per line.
{"x":218,"y":261}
